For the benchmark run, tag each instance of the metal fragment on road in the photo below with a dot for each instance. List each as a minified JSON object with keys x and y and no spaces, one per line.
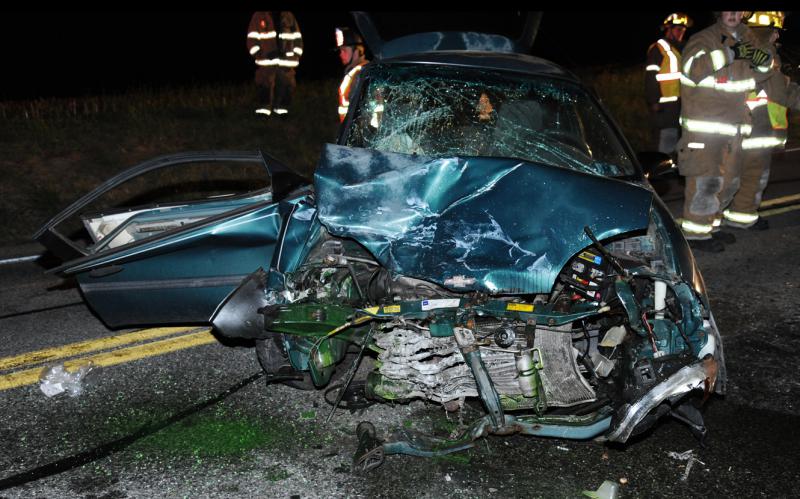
{"x":685,"y":456}
{"x":21,"y":259}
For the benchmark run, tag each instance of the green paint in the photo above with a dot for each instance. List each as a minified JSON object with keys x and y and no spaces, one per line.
{"x":444,"y":426}
{"x":205,"y":436}
{"x":461,"y":458}
{"x":221,"y":433}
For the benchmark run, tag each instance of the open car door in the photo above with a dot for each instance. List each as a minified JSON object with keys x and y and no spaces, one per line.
{"x":171,"y":262}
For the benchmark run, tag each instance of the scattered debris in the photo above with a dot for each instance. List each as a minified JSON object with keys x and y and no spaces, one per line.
{"x":447,"y":478}
{"x":559,"y":447}
{"x":685,"y":456}
{"x":623,"y":481}
{"x":607,"y":490}
{"x":56,"y":379}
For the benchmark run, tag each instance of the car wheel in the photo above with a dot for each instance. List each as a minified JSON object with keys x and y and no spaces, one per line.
{"x":275,"y":362}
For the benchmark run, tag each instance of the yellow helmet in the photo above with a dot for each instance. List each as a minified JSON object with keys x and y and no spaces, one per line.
{"x":677,"y":19}
{"x":772,"y":19}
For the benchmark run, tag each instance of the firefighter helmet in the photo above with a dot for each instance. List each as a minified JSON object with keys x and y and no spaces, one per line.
{"x":773,"y":19}
{"x":677,"y":19}
{"x":346,"y":37}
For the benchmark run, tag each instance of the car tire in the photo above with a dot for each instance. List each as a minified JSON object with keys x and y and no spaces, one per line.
{"x":274,"y":361}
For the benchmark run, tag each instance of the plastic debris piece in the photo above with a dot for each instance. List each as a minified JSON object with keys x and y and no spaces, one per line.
{"x":613,"y":337}
{"x":57,"y":379}
{"x":447,"y":478}
{"x":607,"y":490}
{"x":602,"y":366}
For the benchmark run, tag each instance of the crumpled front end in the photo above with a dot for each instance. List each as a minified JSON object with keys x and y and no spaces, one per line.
{"x":494,"y":225}
{"x":604,"y":335}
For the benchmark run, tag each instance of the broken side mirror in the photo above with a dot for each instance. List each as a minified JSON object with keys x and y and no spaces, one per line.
{"x":656,"y":164}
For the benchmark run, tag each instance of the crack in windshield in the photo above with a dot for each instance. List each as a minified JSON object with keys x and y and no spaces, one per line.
{"x":447,"y":111}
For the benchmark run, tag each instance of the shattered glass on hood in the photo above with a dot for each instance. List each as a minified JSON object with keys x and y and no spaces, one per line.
{"x":442,"y":112}
{"x":505,"y":225}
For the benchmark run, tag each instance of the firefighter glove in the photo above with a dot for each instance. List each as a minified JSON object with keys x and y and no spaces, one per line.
{"x":742,"y":50}
{"x":759,"y":57}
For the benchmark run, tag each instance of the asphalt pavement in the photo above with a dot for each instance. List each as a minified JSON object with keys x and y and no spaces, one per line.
{"x":201,"y":422}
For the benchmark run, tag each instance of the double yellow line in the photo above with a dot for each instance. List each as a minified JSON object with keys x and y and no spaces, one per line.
{"x":180,"y":337}
{"x":781,"y":200}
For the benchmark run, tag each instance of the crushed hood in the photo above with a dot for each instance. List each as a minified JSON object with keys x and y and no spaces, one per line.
{"x":504,"y":225}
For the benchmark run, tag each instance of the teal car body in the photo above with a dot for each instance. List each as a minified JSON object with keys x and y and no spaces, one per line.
{"x":481,"y":229}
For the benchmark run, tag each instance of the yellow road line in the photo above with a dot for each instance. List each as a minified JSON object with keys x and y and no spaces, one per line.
{"x":73,"y":349}
{"x":120,"y":356}
{"x":784,"y":199}
{"x":777,"y":211}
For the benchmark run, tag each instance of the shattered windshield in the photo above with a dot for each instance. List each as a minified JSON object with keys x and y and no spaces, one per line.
{"x":450,"y":111}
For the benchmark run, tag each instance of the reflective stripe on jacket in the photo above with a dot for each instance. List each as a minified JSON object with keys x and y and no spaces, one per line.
{"x":278,"y":45}
{"x":768,"y":105}
{"x":777,"y":113}
{"x":714,"y":85}
{"x":663,"y":64}
{"x":345,"y":87}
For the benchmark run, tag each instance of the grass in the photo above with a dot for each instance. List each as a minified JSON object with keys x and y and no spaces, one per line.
{"x":52,"y":151}
{"x":56,"y":150}
{"x":622,"y":92}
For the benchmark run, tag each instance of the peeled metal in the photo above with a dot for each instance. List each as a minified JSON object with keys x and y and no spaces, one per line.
{"x":685,"y":380}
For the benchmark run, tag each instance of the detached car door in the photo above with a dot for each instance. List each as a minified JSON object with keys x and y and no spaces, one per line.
{"x":171,"y":262}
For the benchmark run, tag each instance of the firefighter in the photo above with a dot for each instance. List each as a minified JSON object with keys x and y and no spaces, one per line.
{"x":276,"y":44}
{"x":662,"y":80}
{"x":720,"y":67}
{"x":350,"y":46}
{"x":768,"y":106}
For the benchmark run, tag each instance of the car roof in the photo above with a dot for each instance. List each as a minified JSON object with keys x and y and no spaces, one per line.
{"x":519,"y":63}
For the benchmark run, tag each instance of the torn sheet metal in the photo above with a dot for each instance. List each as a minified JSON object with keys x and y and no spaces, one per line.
{"x":511,"y":225}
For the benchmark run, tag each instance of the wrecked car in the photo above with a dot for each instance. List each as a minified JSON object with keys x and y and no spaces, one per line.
{"x":481,"y":230}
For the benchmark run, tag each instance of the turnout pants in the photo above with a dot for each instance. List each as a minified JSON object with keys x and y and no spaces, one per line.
{"x":284,"y":88}
{"x":711,"y":165}
{"x":743,"y":211}
{"x":275,"y":86}
{"x":265,"y":88}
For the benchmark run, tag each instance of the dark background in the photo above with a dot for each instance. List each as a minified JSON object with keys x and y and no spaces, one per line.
{"x":58,"y":54}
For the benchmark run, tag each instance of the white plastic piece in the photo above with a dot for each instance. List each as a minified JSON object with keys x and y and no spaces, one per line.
{"x":660,"y":299}
{"x":607,"y":490}
{"x":57,"y":379}
{"x":602,"y":365}
{"x":613,"y":337}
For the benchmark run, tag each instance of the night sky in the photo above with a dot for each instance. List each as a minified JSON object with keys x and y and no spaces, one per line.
{"x":84,"y":53}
